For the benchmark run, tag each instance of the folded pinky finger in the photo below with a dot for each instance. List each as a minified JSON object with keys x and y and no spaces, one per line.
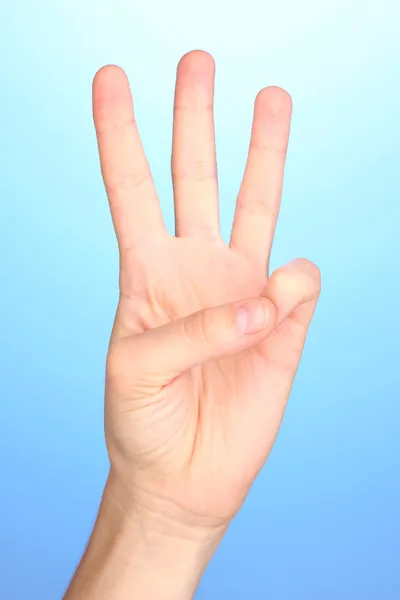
{"x":294,"y":290}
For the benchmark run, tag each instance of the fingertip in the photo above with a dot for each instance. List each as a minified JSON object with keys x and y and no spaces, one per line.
{"x":197,"y":60}
{"x":112,"y":99}
{"x":255,"y":315}
{"x":286,"y":282}
{"x":271,"y":309}
{"x":109,"y":74}
{"x":274,"y":99}
{"x":309,"y":271}
{"x":295,"y":284}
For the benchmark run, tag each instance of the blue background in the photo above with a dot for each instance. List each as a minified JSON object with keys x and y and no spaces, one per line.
{"x":323,"y":519}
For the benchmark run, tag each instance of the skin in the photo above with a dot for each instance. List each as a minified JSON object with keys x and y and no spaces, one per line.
{"x":205,"y":343}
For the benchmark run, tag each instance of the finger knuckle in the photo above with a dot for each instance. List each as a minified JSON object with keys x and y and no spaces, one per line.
{"x":198,"y":327}
{"x":196,"y":169}
{"x":126,"y":182}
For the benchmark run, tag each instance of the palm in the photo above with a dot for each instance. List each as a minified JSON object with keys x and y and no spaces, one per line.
{"x":203,"y":420}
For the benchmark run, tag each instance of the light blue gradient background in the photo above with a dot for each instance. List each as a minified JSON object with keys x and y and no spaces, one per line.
{"x":323,"y":519}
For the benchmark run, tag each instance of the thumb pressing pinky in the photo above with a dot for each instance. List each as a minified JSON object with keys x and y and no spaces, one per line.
{"x":159,"y":355}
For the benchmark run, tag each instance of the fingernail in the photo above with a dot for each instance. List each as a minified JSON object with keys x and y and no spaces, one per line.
{"x":253,"y":315}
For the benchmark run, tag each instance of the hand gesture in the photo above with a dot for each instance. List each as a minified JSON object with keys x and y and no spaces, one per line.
{"x":205,"y":343}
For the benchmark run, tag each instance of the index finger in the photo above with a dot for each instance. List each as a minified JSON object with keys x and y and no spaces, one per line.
{"x":133,"y":200}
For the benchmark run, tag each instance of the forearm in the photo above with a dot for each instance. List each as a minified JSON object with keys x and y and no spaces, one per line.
{"x":135,"y":555}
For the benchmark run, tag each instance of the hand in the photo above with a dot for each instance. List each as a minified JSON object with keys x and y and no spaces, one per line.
{"x":204,"y":347}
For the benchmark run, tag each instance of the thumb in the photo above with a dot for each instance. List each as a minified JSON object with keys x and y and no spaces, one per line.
{"x":159,"y":355}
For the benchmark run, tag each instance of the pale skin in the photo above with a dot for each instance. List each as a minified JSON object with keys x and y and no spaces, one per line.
{"x":205,"y":343}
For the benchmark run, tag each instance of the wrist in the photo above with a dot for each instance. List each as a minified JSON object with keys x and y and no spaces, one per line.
{"x":164,"y":539}
{"x":138,"y":550}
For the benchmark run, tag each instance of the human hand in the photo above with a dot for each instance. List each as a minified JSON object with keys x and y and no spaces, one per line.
{"x":205,"y":345}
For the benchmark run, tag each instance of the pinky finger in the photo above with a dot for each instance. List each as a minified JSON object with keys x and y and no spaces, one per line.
{"x":294,"y":290}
